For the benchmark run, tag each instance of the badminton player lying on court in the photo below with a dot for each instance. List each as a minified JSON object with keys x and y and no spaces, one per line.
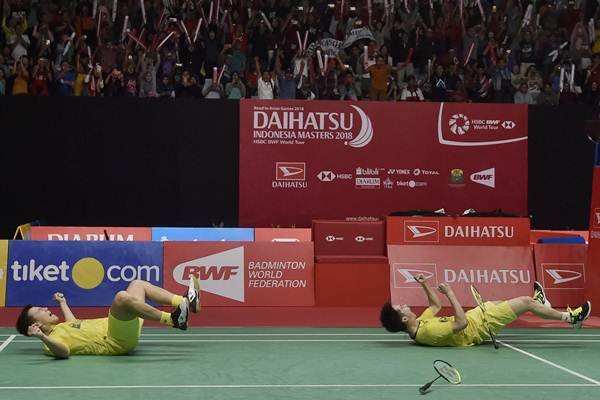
{"x":114,"y":335}
{"x":468,"y":328}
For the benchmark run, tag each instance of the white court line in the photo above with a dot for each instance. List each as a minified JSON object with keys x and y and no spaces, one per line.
{"x":300,"y":386}
{"x":184,"y":340}
{"x":550,"y":363}
{"x":7,"y":342}
{"x":342,"y":334}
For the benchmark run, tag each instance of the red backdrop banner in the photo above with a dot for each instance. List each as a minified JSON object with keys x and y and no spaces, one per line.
{"x":560,"y":268}
{"x":359,"y":161}
{"x":472,"y":231}
{"x":499,"y":273}
{"x":243,"y":273}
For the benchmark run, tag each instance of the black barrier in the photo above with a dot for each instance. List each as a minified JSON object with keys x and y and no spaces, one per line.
{"x":174,"y":162}
{"x":118,"y":161}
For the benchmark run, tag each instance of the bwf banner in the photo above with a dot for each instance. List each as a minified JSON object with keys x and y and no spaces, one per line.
{"x":499,"y":273}
{"x":359,"y":161}
{"x":243,"y":273}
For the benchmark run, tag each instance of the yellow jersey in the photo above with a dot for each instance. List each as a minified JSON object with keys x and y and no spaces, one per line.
{"x":84,"y":336}
{"x":437,"y":331}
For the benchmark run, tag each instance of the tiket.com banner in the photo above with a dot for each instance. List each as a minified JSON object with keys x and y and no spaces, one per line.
{"x":90,"y":233}
{"x":88,"y":273}
{"x":458,"y":231}
{"x":500,"y":273}
{"x":360,"y":161}
{"x":243,"y":273}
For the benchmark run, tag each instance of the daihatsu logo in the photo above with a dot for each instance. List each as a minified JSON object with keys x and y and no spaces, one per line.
{"x":409,"y":274}
{"x":563,"y":275}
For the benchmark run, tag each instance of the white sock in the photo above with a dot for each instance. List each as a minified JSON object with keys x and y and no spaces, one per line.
{"x":565,"y":316}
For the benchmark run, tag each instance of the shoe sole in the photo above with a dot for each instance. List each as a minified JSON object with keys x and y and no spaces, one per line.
{"x":538,"y":286}
{"x":195,"y":283}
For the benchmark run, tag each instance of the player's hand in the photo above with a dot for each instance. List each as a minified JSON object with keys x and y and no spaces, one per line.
{"x":420,"y":278}
{"x":445,"y":288}
{"x":35,"y":330}
{"x":59,"y":298}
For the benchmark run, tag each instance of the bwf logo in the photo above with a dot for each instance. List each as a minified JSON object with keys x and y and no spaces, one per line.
{"x":421,"y":231}
{"x":487,"y":177}
{"x":404,"y":274}
{"x":221,"y":274}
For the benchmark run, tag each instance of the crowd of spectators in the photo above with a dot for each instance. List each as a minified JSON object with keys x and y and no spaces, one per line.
{"x":521,"y":51}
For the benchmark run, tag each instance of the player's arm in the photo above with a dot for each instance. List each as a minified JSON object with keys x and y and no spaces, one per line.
{"x":434,"y":301}
{"x":57,"y":348}
{"x":64,"y":307}
{"x":460,"y":319}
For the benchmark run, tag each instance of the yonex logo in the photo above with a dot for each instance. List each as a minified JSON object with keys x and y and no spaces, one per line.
{"x":410,"y":274}
{"x":459,"y":124}
{"x":486,"y":177}
{"x":421,"y":231}
{"x":508,"y":124}
{"x":221,"y":273}
{"x":563,"y":275}
{"x":326,"y":176}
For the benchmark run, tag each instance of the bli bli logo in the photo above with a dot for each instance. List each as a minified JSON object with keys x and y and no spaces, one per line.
{"x":221,"y":274}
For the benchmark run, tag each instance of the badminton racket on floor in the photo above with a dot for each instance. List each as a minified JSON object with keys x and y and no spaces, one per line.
{"x":481,"y":305}
{"x":445,"y":370}
{"x":106,"y":235}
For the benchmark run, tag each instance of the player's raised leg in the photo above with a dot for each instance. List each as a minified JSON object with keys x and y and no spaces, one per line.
{"x":523,"y":304}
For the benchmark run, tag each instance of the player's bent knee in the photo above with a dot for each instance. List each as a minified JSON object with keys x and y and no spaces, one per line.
{"x":122,"y":299}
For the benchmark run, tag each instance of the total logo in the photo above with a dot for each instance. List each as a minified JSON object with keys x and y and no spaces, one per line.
{"x":563,"y":275}
{"x":86,"y":273}
{"x":422,"y":231}
{"x":487,"y":177}
{"x":221,"y":274}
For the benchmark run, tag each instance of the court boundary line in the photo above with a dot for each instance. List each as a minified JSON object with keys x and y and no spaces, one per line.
{"x":185,"y":340}
{"x":565,"y":369}
{"x":7,"y":342}
{"x":341,"y":334}
{"x":290,"y":386}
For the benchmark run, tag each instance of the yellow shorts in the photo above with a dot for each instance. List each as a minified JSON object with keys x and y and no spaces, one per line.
{"x":498,"y":315}
{"x":124,"y":335}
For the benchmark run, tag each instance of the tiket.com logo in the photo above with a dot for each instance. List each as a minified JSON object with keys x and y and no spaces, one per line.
{"x":421,"y":231}
{"x":86,"y":273}
{"x":221,"y":273}
{"x":290,"y":171}
{"x":486,"y":177}
{"x":459,"y":124}
{"x":404,"y":274}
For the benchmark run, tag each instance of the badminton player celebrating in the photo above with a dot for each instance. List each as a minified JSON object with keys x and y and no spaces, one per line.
{"x":469,"y":328}
{"x":114,"y":335}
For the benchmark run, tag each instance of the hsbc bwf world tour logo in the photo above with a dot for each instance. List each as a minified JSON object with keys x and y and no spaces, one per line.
{"x":295,"y":126}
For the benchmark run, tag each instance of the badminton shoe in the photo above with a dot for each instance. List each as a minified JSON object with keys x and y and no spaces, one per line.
{"x":180,"y":315}
{"x":193,"y":294}
{"x":580,"y":314}
{"x":539,"y":295}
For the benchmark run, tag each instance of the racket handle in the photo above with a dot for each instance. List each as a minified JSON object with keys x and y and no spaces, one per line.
{"x":426,"y":386}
